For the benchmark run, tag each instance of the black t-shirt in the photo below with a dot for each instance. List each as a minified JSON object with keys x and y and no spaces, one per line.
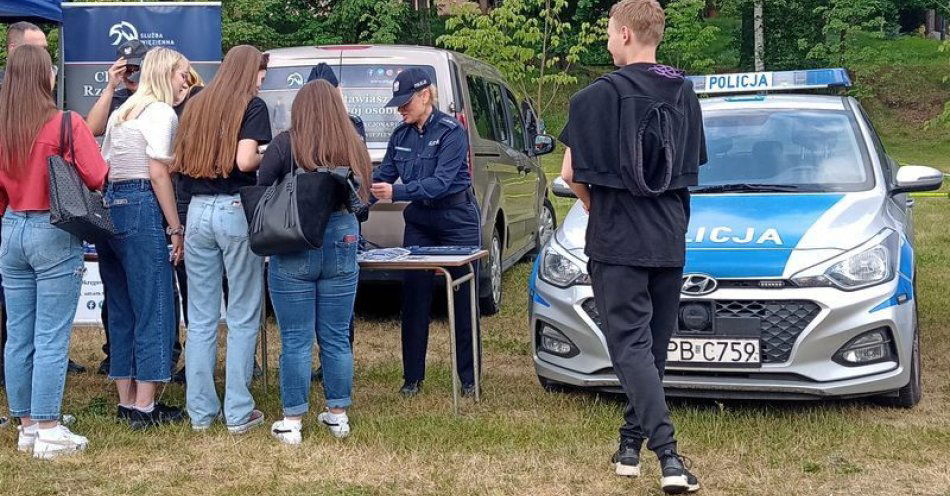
{"x":625,"y":228}
{"x":254,"y":126}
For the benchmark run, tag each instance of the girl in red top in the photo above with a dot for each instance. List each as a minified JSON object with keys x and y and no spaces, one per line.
{"x":42,"y":266}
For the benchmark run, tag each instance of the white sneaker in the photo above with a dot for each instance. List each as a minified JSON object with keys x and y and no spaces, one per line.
{"x":338,"y":423}
{"x":51,"y":443}
{"x":26,"y":439}
{"x":286,"y":432}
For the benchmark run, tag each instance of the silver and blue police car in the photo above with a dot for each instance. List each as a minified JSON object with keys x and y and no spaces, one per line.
{"x":800,"y":273}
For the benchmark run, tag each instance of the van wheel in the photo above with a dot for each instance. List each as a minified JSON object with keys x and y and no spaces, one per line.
{"x":547,"y":224}
{"x":490,"y":304}
{"x":909,"y":395}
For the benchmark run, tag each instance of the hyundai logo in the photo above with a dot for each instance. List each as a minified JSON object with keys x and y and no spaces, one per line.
{"x":698,"y":285}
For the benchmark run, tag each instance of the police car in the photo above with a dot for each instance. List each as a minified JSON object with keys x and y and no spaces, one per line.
{"x":800,"y":274}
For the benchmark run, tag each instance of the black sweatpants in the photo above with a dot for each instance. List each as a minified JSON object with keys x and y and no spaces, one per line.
{"x":639,"y":308}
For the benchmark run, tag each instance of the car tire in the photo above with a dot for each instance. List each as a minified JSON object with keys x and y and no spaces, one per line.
{"x":547,"y":224}
{"x":911,"y":394}
{"x":490,"y":304}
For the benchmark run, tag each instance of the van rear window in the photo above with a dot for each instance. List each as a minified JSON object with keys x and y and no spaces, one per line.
{"x":366,"y":89}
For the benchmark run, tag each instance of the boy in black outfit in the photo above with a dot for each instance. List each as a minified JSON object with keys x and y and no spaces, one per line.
{"x":635,"y":142}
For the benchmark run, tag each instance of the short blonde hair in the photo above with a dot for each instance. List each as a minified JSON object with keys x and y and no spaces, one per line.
{"x":644,"y":17}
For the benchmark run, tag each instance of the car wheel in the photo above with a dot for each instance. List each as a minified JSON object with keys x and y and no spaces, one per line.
{"x":909,"y":395}
{"x":547,"y":224}
{"x":490,"y":304}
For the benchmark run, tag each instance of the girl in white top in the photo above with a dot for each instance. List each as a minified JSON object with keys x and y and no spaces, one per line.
{"x":135,"y":264}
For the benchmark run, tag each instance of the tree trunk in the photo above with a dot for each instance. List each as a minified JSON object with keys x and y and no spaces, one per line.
{"x":759,"y":21}
{"x":483,"y":4}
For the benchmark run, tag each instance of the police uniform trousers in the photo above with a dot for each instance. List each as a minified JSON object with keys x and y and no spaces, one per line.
{"x":438,"y":223}
{"x":639,"y":308}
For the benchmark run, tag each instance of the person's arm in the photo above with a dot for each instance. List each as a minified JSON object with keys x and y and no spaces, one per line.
{"x":91,"y":166}
{"x":273,"y":165}
{"x":386,"y":172}
{"x":254,"y":132}
{"x":161,"y":181}
{"x":248,"y":159}
{"x":452,"y":157}
{"x":99,"y":114}
{"x":567,"y":174}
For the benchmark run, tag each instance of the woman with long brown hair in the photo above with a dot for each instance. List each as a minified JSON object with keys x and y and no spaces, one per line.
{"x":42,"y":266}
{"x":313,"y":291}
{"x":216,"y":155}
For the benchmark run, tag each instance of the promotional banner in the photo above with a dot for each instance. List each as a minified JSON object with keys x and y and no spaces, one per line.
{"x":92,"y":33}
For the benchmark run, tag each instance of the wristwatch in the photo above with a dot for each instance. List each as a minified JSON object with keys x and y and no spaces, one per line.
{"x":180,"y":230}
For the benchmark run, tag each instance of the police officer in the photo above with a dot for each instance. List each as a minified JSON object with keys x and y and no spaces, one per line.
{"x":429,"y":152}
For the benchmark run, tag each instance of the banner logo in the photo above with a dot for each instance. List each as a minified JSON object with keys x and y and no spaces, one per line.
{"x":294,"y":79}
{"x":122,"y":32}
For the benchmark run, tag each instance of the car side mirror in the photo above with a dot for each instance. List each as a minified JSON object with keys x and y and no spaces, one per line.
{"x":911,"y":178}
{"x":543,"y":144}
{"x":560,"y":188}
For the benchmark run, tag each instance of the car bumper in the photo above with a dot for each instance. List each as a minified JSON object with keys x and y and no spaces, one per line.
{"x":808,"y":372}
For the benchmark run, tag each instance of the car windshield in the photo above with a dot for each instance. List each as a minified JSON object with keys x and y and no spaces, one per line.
{"x":783,"y":150}
{"x":366,"y":89}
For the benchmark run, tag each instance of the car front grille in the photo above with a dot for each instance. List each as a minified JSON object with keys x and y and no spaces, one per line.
{"x":782,"y":321}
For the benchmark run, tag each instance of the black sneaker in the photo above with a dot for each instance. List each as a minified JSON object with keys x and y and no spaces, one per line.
{"x":103,"y":367}
{"x":74,"y":368}
{"x":468,"y":390}
{"x":316,"y":375}
{"x":161,"y":414}
{"x":676,"y":479}
{"x":123,"y":414}
{"x":626,"y":459}
{"x":411,"y":388}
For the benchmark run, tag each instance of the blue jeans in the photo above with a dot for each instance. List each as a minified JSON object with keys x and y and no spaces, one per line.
{"x":313,"y":292}
{"x":42,"y":271}
{"x":215,"y":244}
{"x":138,"y":279}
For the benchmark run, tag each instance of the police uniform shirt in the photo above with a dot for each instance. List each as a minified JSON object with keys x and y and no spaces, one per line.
{"x":432,"y":163}
{"x":625,"y":229}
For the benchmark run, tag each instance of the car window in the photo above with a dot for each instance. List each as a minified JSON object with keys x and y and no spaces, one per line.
{"x":817,"y":150}
{"x":517,"y":122}
{"x":889,"y":172}
{"x":366,"y":89}
{"x":497,"y":106}
{"x":480,"y":108}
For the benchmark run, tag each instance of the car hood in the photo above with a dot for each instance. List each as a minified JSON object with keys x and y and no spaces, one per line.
{"x":761,"y":235}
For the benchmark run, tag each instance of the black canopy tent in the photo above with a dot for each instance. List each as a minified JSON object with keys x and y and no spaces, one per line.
{"x":37,"y":11}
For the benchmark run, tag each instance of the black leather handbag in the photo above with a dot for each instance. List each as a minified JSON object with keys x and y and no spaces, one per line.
{"x":290,"y":215}
{"x":73,"y":207}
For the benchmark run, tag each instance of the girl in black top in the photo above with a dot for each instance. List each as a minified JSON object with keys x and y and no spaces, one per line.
{"x":216,"y":154}
{"x":314,"y":290}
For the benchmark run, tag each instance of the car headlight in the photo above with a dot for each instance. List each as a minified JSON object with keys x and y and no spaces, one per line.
{"x":872,"y":263}
{"x":560,"y":269}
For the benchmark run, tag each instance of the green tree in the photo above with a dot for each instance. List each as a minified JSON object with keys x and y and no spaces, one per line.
{"x":687,"y":36}
{"x":527,"y":40}
{"x":844,"y":20}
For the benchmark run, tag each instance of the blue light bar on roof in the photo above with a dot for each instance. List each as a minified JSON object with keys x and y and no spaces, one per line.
{"x":753,"y":82}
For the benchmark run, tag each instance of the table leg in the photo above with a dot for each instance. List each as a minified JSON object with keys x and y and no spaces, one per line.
{"x":476,"y":342}
{"x":263,"y":337}
{"x":450,"y":296}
